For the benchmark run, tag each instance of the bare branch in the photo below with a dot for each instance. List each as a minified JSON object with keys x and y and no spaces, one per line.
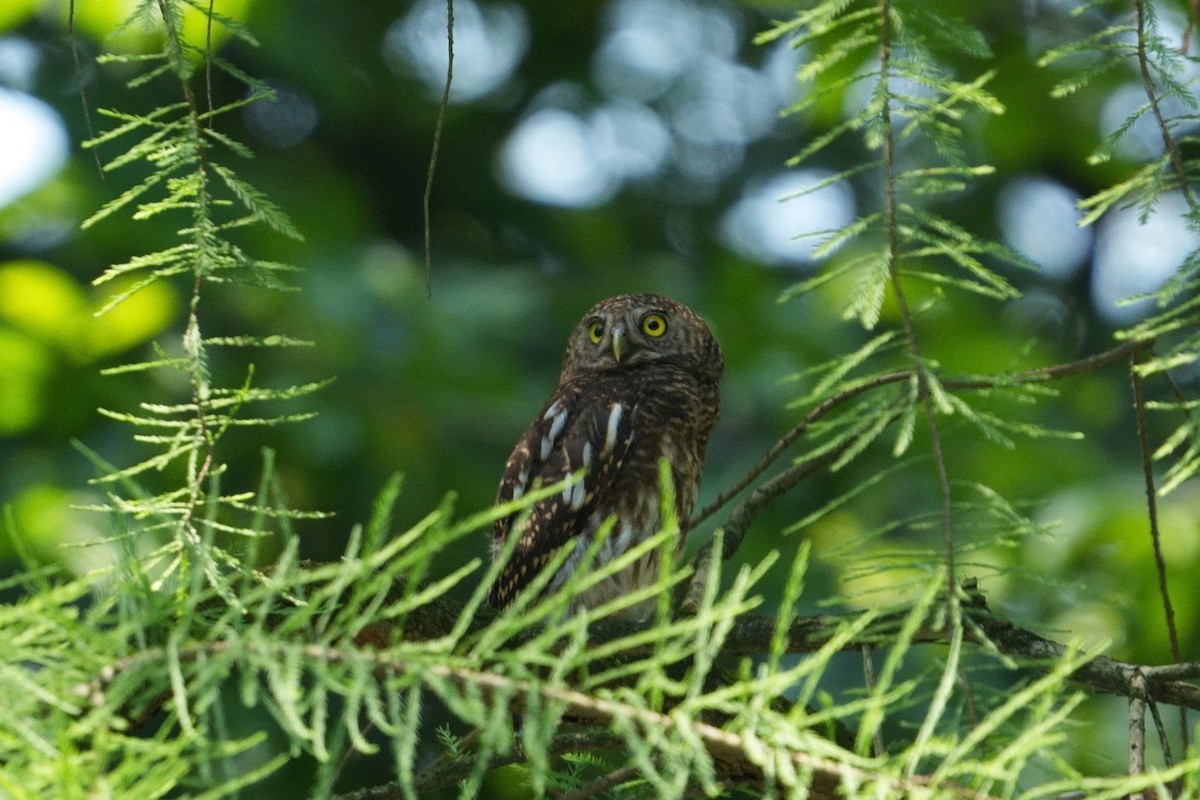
{"x":739,"y":519}
{"x":822,"y":408}
{"x":1137,"y":727}
{"x":1160,"y":564}
{"x":1174,"y":684}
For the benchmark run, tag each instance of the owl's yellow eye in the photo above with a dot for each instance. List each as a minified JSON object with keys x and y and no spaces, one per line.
{"x":596,"y":331}
{"x":654,"y":325}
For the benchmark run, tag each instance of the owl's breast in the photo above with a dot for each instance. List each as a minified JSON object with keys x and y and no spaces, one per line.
{"x":674,"y":426}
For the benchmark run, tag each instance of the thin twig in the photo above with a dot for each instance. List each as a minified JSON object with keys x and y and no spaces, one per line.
{"x":892,"y":229}
{"x":208,"y":83}
{"x":87,"y":113}
{"x":437,"y":143}
{"x":1185,"y":733}
{"x":1169,"y":143}
{"x":1163,"y":740}
{"x":1053,"y":372}
{"x":1179,"y":168}
{"x":869,"y":685}
{"x":738,"y":521}
{"x":348,"y":755}
{"x":822,"y":408}
{"x":1031,"y":376}
{"x":743,"y":514}
{"x":891,"y":225}
{"x":1160,"y":564}
{"x":1193,"y":14}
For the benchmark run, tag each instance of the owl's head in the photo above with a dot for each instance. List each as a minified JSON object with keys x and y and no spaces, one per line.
{"x":635,"y":329}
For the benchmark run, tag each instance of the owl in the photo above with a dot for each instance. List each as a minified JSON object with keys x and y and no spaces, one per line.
{"x":639,"y":383}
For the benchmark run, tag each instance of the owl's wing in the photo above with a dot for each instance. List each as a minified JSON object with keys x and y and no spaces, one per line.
{"x":581,"y":428}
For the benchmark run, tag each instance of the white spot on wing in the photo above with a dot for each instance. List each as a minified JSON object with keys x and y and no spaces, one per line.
{"x":587,"y":455}
{"x":556,"y":415}
{"x":614,"y":421}
{"x":559,"y":421}
{"x":577,"y":495}
{"x":522,"y":484}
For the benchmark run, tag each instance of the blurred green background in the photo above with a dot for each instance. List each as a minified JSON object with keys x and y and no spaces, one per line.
{"x":591,"y":149}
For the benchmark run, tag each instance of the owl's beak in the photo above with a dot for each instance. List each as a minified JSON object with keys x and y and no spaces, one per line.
{"x":619,"y":342}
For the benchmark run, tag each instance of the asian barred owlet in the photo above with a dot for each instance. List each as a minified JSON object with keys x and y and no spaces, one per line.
{"x":638,"y":384}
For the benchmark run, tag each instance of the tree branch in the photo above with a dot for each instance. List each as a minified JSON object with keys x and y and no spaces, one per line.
{"x":1160,"y":564}
{"x":1169,"y":144}
{"x":1036,"y":375}
{"x":750,"y":635}
{"x":733,"y":754}
{"x":738,"y":522}
{"x":821,"y":409}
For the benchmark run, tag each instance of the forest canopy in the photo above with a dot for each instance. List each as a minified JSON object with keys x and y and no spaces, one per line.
{"x":281,"y":285}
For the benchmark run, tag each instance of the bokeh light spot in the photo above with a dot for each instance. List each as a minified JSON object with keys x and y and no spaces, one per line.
{"x":1039,"y":218}
{"x":489,"y":43}
{"x":723,"y":102}
{"x":1134,"y":258}
{"x":33,"y":144}
{"x":285,"y":121}
{"x":651,"y":43}
{"x":781,"y":220}
{"x":550,"y":159}
{"x":629,"y":139}
{"x":19,"y":62}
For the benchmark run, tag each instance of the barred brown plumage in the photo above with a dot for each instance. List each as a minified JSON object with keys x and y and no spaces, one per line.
{"x":639,"y":383}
